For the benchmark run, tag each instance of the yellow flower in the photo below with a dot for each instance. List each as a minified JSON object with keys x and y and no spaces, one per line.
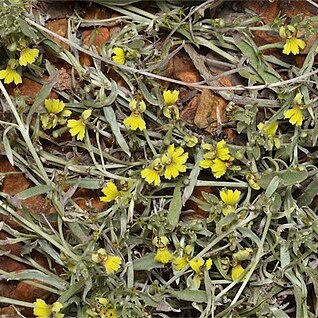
{"x":28,"y":56}
{"x":10,"y":74}
{"x":151,"y":176}
{"x":170,"y":98}
{"x":55,"y":113}
{"x":54,"y":106}
{"x":292,"y":45}
{"x":230,"y":197}
{"x":222,"y":152}
{"x":270,"y":130}
{"x":163,"y":255}
{"x":252,"y":181}
{"x":206,"y":163}
{"x":153,"y":173}
{"x":237,"y":271}
{"x":216,"y":158}
{"x":218,"y":168}
{"x":190,"y":141}
{"x":110,"y":262}
{"x":111,"y":192}
{"x":103,"y":301}
{"x":111,"y":313}
{"x":102,"y":308}
{"x":160,"y":241}
{"x":43,"y":310}
{"x":174,"y":161}
{"x":135,"y":105}
{"x":196,"y":264}
{"x":119,"y":55}
{"x":78,"y":127}
{"x":135,"y":121}
{"x":295,"y":115}
{"x":180,"y":263}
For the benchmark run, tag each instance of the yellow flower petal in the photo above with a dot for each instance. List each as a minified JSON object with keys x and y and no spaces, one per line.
{"x":135,"y":121}
{"x":111,"y":192}
{"x":119,"y":55}
{"x":77,"y":128}
{"x":163,"y":255}
{"x":10,"y":75}
{"x":218,"y":168}
{"x":229,"y":196}
{"x":237,"y":271}
{"x":292,"y":45}
{"x":208,"y":263}
{"x":196,"y":264}
{"x":295,"y":115}
{"x":151,"y":176}
{"x":28,"y":56}
{"x":54,"y":106}
{"x":112,"y":264}
{"x":41,"y":309}
{"x":222,"y":152}
{"x":170,"y":97}
{"x":174,"y":161}
{"x":206,"y":163}
{"x":180,"y":263}
{"x":270,"y":129}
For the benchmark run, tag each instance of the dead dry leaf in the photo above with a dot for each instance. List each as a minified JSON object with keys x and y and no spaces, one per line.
{"x":210,"y":111}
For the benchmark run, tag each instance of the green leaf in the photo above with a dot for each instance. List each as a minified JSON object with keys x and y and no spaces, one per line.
{"x":175,"y":206}
{"x":272,"y":187}
{"x":7,"y":146}
{"x":112,"y":120}
{"x":247,"y":233}
{"x":27,"y":30}
{"x":40,"y":97}
{"x":279,"y":313}
{"x":109,"y":100}
{"x":147,"y":95}
{"x":31,"y":274}
{"x":47,"y":248}
{"x":146,"y":262}
{"x":251,"y":52}
{"x":31,"y":192}
{"x":193,"y":177}
{"x":287,"y":177}
{"x":198,"y":296}
{"x":309,"y":194}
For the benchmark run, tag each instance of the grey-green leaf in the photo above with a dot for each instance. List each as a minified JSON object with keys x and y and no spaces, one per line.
{"x":112,"y":120}
{"x":175,"y":206}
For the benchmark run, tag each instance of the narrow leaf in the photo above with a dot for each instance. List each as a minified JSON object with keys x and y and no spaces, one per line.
{"x":112,"y":120}
{"x":175,"y":206}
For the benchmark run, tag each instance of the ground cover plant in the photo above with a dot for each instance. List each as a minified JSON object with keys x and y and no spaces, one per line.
{"x":158,"y":159}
